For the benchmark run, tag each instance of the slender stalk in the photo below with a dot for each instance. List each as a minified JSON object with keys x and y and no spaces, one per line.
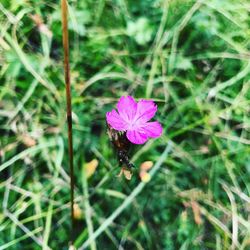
{"x":69,"y":113}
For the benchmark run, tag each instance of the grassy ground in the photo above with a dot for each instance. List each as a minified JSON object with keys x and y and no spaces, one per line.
{"x":192,"y":58}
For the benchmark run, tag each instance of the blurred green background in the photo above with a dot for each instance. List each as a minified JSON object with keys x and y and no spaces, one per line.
{"x":192,"y":58}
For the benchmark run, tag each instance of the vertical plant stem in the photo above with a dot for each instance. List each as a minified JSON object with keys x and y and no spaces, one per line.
{"x":69,"y":113}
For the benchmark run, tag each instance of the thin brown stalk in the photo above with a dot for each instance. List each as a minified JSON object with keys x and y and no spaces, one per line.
{"x":69,"y":112}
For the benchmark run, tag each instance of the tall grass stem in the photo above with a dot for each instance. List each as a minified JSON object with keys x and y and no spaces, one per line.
{"x":69,"y":109}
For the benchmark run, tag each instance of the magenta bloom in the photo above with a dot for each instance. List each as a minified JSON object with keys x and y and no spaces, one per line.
{"x":133,"y":118}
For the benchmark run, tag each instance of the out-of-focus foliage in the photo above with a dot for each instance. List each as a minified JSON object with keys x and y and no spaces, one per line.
{"x":191,"y":57}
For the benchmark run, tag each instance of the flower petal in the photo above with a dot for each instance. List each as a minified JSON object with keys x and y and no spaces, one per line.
{"x":127,"y":108}
{"x":152,"y":129}
{"x":116,"y":121}
{"x":146,"y":110}
{"x":136,"y":137}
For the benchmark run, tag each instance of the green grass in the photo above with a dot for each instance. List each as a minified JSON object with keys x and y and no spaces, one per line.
{"x":192,"y":59}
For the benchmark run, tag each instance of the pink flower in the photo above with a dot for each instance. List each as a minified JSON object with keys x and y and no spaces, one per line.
{"x":133,"y":118}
